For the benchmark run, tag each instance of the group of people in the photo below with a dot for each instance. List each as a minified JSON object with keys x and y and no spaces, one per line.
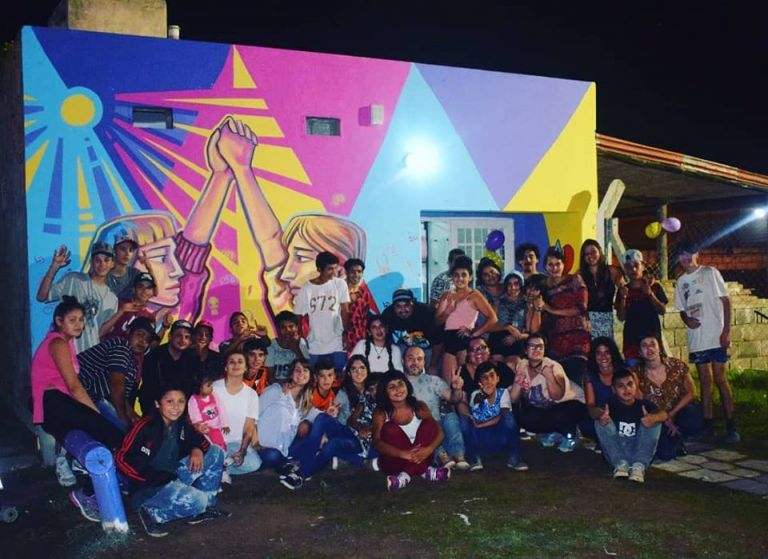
{"x":417,"y":391}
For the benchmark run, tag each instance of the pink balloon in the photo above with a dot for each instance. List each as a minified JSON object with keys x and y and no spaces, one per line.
{"x":671,"y":225}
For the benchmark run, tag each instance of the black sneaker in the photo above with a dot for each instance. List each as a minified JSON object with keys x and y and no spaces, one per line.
{"x":292,"y":481}
{"x":211,"y":513}
{"x":151,"y":527}
{"x":290,"y":467}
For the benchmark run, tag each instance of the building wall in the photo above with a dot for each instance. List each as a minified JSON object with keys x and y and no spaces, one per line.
{"x":233,"y":203}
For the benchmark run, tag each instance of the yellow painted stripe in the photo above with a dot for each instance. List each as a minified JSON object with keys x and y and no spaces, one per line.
{"x":196,"y":168}
{"x":204,"y":132}
{"x":83,"y":200}
{"x":244,"y":102}
{"x":86,"y":216}
{"x":280,"y":160}
{"x":88,"y":228}
{"x":33,"y":164}
{"x":170,"y":207}
{"x":262,"y":126}
{"x":29,"y":98}
{"x":127,"y":206}
{"x":28,"y":123}
{"x":85,"y":242}
{"x":241,"y":78}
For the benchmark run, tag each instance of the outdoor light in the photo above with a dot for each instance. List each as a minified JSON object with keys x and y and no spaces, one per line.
{"x":760,"y":212}
{"x":422,"y":159}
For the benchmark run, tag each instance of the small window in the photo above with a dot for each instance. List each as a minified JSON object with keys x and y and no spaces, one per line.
{"x":323,"y":126}
{"x":152,"y":117}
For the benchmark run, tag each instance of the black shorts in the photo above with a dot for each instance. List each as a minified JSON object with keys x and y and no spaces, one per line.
{"x":453,"y":343}
{"x":498,"y":347}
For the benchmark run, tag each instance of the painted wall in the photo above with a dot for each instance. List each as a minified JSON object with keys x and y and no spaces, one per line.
{"x":233,"y":203}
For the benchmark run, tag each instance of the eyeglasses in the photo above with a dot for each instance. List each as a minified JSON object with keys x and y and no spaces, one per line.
{"x":479,"y":349}
{"x":537,"y":347}
{"x":357,"y":369}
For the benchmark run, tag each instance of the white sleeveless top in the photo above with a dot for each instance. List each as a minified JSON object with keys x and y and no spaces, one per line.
{"x":411,"y":428}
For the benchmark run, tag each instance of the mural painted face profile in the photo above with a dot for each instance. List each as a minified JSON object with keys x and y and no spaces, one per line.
{"x":167,"y":270}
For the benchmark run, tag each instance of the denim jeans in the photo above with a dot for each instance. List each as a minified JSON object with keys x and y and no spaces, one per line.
{"x":639,"y":448}
{"x":341,"y":442}
{"x":251,"y":460}
{"x":502,"y":437}
{"x":191,"y":493}
{"x":453,"y":443}
{"x":689,"y":421}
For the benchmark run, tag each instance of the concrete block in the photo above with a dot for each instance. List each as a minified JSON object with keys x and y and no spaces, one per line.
{"x":148,"y":18}
{"x":723,"y":455}
{"x":675,"y":466}
{"x":746,"y":349}
{"x":748,"y":485}
{"x":759,"y":363}
{"x":754,"y":464}
{"x":672,"y":320}
{"x":711,"y":476}
{"x":740,"y":363}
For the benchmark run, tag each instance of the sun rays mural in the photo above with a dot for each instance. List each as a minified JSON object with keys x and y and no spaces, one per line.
{"x":231,"y":194}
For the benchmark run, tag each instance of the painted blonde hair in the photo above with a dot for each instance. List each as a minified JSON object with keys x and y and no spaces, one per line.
{"x":339,"y":236}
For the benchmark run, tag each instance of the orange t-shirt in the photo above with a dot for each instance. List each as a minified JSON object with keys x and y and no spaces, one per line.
{"x":260,"y":382}
{"x":322,"y":402}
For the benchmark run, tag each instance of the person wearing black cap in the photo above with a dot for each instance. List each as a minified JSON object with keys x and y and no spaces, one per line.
{"x":90,"y":290}
{"x":411,"y":323}
{"x":169,"y":363}
{"x":144,"y":288}
{"x":109,"y":372}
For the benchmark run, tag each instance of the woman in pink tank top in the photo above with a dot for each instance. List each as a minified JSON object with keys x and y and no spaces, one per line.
{"x":458,"y":310}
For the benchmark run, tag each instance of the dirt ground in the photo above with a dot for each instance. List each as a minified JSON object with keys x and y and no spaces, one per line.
{"x":565,"y":505}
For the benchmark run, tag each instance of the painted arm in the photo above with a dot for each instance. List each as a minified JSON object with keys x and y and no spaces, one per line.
{"x":60,"y":353}
{"x":61,"y":258}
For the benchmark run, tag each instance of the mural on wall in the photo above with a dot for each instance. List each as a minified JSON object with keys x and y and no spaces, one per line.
{"x":234,"y":201}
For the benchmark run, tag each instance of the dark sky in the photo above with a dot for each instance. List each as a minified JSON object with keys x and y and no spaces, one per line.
{"x":684,"y":78}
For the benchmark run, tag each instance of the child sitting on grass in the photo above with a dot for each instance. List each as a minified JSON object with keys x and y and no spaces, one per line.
{"x":629,"y":429}
{"x":173,"y":471}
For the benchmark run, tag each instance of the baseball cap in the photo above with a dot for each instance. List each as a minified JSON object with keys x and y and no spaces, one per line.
{"x":144,"y":276}
{"x":403,"y":295}
{"x":100,"y":247}
{"x":122,"y":235}
{"x":142,"y":323}
{"x":204,"y":324}
{"x":632,"y":256}
{"x":181,"y":324}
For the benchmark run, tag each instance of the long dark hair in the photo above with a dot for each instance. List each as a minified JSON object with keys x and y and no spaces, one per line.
{"x":67,"y":305}
{"x":602,"y":267}
{"x":481,"y":266}
{"x":349,"y":385}
{"x":382,"y":398}
{"x":616,"y":357}
{"x":369,"y":340}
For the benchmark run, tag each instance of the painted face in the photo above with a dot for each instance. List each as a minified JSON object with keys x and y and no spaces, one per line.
{"x":625,"y":390}
{"x":461,"y":278}
{"x":71,"y":324}
{"x":529,"y":262}
{"x":414,"y":361}
{"x":378,"y":331}
{"x":256,"y":358}
{"x":514,"y":288}
{"x":603,"y":357}
{"x":554,"y":267}
{"x":201,"y":336}
{"x":300,"y":266}
{"x":488,"y":382}
{"x":355,"y":274}
{"x":634,"y":270}
{"x":325,"y":379}
{"x":167,"y":271}
{"x":688,"y":261}
{"x":235,"y":366}
{"x":139,"y":341}
{"x":397,"y":390}
{"x":124,"y":253}
{"x":478,"y":351}
{"x":534,"y":350}
{"x":490,"y":276}
{"x":649,"y":349}
{"x":300,"y":374}
{"x":143,"y":292}
{"x":171,"y":405}
{"x":288,"y":331}
{"x":101,"y":265}
{"x":404,"y":309}
{"x":358,"y":372}
{"x":591,"y":255}
{"x":206,"y":388}
{"x":238,"y":325}
{"x":181,"y":339}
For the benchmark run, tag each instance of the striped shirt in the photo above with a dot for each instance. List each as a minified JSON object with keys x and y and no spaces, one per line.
{"x":113,"y":355}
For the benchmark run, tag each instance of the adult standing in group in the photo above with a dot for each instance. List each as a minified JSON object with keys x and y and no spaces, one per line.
{"x":325,"y":301}
{"x":443,"y":281}
{"x":241,"y":404}
{"x":639,"y":304}
{"x":122,"y":278}
{"x":361,"y":303}
{"x":90,"y":289}
{"x":565,"y":320}
{"x":527,"y":257}
{"x":288,"y":346}
{"x":517,"y":317}
{"x":601,"y":280}
{"x":702,"y":299}
{"x":667,"y":382}
{"x":458,"y":311}
{"x":412,"y":324}
{"x":168,"y":363}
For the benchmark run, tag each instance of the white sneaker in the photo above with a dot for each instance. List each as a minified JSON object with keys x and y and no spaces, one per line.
{"x":621,"y":470}
{"x":637,"y":473}
{"x":64,"y":474}
{"x":335,"y":463}
{"x":226,"y":478}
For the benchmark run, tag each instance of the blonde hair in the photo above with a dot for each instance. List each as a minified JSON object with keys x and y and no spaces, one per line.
{"x":339,"y":236}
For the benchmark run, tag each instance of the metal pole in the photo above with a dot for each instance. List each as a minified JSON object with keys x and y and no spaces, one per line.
{"x":662,"y":248}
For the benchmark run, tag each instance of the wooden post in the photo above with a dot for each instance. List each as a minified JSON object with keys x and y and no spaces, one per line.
{"x":662,"y":245}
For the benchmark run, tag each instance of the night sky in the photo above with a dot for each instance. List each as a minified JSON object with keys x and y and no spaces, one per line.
{"x":686,"y":79}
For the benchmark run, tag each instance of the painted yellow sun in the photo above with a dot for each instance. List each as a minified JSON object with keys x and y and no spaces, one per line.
{"x":78,"y":110}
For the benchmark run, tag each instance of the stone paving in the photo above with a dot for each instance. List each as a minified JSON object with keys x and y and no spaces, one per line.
{"x":733,"y":470}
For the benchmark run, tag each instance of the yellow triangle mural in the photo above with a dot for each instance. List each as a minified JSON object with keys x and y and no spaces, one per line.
{"x":241,"y":78}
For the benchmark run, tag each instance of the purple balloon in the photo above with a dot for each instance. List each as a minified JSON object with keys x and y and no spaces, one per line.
{"x":495,"y":240}
{"x":671,"y":225}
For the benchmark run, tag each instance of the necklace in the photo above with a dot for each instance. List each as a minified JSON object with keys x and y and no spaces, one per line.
{"x":378,"y":352}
